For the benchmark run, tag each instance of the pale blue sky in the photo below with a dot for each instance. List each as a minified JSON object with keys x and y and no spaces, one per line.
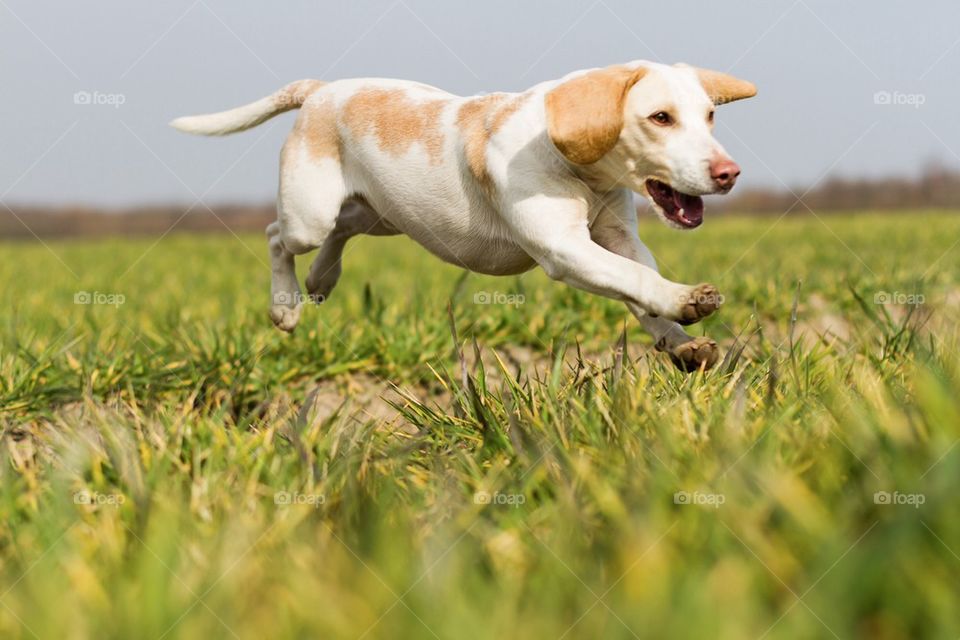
{"x":818,"y":65}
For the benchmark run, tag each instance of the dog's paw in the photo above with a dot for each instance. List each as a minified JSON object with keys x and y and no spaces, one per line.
{"x":698,"y":303}
{"x":319,"y":287}
{"x":698,"y":353}
{"x":285,"y":317}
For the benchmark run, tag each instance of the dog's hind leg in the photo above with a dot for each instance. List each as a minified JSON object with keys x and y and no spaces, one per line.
{"x":356,"y":218}
{"x":284,"y":290}
{"x":312,"y":191}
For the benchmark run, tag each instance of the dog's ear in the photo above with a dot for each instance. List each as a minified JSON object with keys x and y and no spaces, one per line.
{"x":723,"y":88}
{"x":585,"y":114}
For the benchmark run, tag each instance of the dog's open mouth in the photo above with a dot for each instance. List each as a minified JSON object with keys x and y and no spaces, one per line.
{"x":684,"y":210}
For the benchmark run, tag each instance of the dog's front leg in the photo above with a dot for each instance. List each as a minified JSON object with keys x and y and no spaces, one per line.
{"x":616,"y":229}
{"x":554,"y":232}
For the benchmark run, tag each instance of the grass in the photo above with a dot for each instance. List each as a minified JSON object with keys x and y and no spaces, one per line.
{"x":172,"y":467}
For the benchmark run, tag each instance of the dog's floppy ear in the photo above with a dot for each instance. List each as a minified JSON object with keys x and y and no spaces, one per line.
{"x":585,"y":114}
{"x":723,"y":88}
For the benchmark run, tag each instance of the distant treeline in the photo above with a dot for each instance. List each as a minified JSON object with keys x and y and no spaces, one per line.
{"x":49,"y":222}
{"x":935,"y":188}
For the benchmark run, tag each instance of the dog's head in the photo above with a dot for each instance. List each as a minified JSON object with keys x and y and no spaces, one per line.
{"x":648,"y":127}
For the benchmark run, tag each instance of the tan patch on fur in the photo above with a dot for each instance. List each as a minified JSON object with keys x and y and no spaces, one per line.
{"x":397,"y":121}
{"x":585,"y":114}
{"x":473,"y":122}
{"x":317,"y":127}
{"x":479,"y":119}
{"x":723,"y":88}
{"x":504,"y":112}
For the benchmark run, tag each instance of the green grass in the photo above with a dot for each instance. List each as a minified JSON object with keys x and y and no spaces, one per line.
{"x":530,"y":492}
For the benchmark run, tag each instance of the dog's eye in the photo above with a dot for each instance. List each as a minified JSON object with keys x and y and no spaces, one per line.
{"x":662,"y":118}
{"x":710,"y":117}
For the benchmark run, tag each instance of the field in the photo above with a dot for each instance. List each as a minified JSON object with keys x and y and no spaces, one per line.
{"x":174,"y":467}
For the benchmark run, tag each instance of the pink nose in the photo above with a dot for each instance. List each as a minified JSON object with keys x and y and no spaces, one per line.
{"x":724,"y":172}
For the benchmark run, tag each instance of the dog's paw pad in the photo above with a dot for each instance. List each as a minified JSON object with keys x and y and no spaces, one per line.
{"x":285,"y":318}
{"x":699,"y":353}
{"x":699,"y":303}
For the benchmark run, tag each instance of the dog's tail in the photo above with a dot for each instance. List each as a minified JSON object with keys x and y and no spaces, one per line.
{"x":250,"y":115}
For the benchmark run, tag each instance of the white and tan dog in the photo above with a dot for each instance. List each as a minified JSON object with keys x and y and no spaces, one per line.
{"x":501,"y":182}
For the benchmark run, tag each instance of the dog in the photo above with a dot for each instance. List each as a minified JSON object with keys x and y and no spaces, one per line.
{"x":500,"y":183}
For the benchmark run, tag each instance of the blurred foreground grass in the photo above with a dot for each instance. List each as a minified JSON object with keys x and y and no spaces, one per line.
{"x":168,"y":470}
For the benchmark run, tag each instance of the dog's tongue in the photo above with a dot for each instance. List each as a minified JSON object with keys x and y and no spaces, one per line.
{"x":692,"y":206}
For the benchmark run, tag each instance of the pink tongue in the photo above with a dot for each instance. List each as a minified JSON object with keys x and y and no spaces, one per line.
{"x":692,"y":205}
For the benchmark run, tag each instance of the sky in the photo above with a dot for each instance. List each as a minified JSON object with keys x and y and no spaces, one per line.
{"x":864,"y":89}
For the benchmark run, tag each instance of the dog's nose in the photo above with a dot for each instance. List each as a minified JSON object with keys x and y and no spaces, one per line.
{"x":724,"y":172}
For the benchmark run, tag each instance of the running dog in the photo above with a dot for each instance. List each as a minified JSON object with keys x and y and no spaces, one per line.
{"x":499,"y":183}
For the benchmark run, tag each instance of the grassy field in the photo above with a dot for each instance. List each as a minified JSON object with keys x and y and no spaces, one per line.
{"x":173,"y":467}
